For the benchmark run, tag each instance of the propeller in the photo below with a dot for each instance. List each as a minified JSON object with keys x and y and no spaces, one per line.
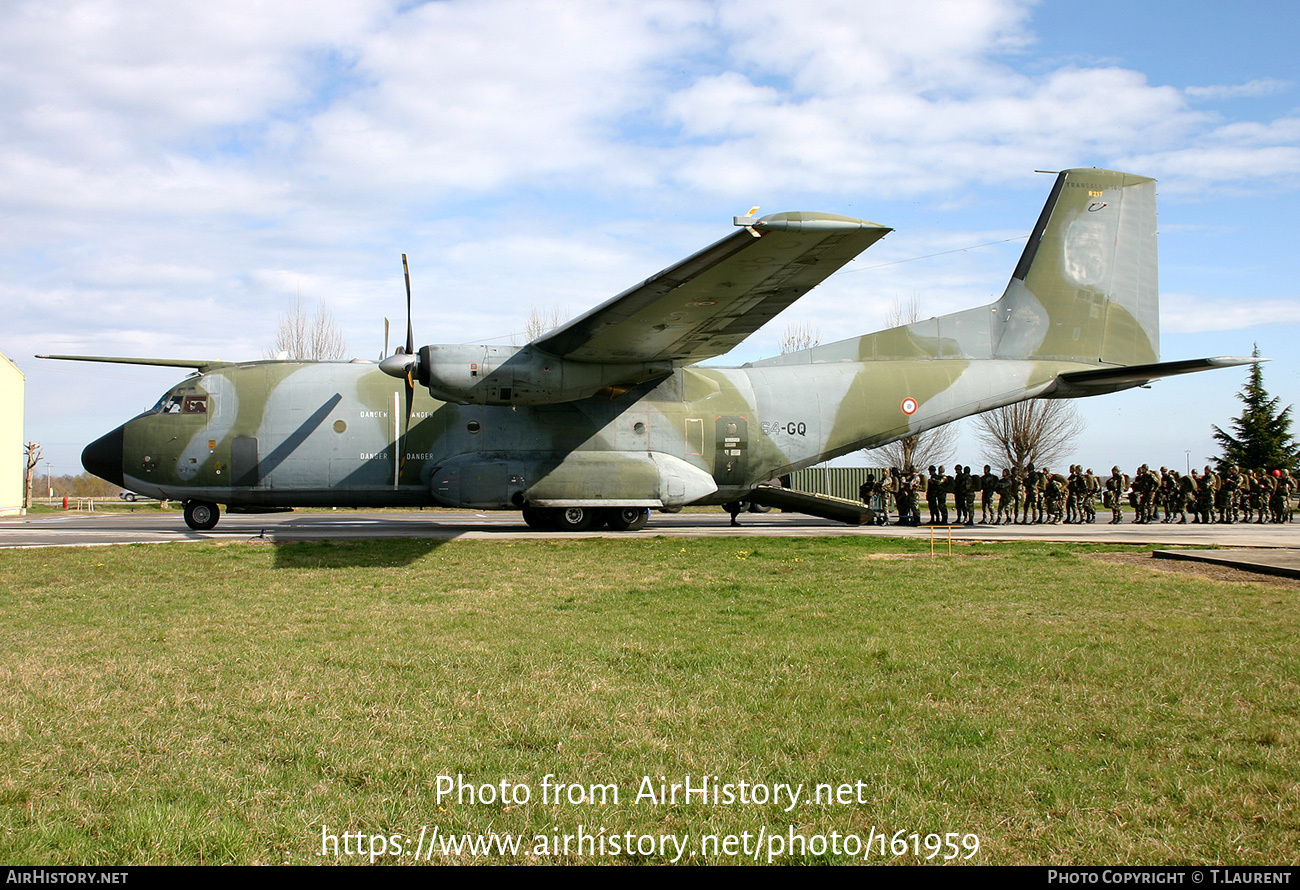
{"x":404,"y":363}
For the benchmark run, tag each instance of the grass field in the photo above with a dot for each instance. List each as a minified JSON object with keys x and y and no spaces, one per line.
{"x":264,"y":704}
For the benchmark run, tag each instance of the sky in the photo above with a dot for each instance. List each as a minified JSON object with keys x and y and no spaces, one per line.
{"x":173,"y":176}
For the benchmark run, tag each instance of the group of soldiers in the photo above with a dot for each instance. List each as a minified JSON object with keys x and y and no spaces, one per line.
{"x":1235,"y":495}
{"x":1034,"y":495}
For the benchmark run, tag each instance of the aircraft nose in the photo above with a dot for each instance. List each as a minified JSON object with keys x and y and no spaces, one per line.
{"x":103,"y":457}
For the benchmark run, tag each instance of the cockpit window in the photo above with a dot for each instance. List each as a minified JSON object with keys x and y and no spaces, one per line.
{"x":168,"y":404}
{"x":181,"y":403}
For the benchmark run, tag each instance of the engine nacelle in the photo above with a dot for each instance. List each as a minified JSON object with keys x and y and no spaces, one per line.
{"x":507,"y":375}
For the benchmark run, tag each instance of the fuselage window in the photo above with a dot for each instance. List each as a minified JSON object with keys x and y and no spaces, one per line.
{"x":195,"y":405}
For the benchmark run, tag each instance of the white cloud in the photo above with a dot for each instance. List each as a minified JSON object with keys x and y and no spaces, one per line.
{"x":1263,"y":87}
{"x":151,"y":73}
{"x":485,"y":95}
{"x":1182,"y":313}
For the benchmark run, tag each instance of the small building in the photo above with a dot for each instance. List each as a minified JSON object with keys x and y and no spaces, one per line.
{"x":12,"y":383}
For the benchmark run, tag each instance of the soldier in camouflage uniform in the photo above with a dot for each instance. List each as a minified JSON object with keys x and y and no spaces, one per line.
{"x":961,"y":485}
{"x":1008,"y":497}
{"x":1225,"y":499}
{"x":1257,"y":496}
{"x":1279,"y":499}
{"x":1167,"y":494}
{"x":1204,"y":503}
{"x":1053,"y":496}
{"x":932,"y":489}
{"x":1074,"y":489}
{"x":902,"y":491}
{"x":886,"y":488}
{"x":945,"y":487}
{"x":1091,"y":488}
{"x":919,"y":486}
{"x":968,"y":499}
{"x":988,"y":489}
{"x":1145,"y":485}
{"x":1116,"y":484}
{"x":1186,"y":497}
{"x":1033,"y":503}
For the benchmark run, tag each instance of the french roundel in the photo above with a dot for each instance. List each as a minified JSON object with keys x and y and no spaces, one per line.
{"x":909,"y":405}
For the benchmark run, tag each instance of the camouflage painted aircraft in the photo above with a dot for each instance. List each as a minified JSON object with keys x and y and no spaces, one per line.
{"x":609,"y":415}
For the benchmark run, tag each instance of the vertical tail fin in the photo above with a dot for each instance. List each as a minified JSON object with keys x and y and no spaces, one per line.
{"x":1085,"y":288}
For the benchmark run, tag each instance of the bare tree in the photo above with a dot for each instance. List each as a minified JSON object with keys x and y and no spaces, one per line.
{"x":922,"y":450}
{"x":32,"y":453}
{"x":542,"y":320}
{"x":900,"y":314}
{"x":926,"y":449}
{"x":800,"y":335}
{"x":1037,"y":431}
{"x":300,"y":338}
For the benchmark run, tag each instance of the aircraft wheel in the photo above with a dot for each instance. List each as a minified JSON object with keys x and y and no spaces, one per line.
{"x":628,"y":519}
{"x":201,"y":515}
{"x":572,"y":519}
{"x":538,"y":519}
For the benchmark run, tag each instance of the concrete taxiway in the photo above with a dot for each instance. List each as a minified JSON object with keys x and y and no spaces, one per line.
{"x":81,"y":529}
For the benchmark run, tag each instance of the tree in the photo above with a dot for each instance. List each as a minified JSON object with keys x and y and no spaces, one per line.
{"x":84,"y":486}
{"x":32,"y":453}
{"x":799,"y":335}
{"x":542,"y":321}
{"x":921,"y":450}
{"x":1041,"y":432}
{"x":1263,"y":438}
{"x":300,"y":338}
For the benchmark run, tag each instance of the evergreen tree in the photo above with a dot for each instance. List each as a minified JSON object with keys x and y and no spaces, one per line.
{"x":1263,"y":438}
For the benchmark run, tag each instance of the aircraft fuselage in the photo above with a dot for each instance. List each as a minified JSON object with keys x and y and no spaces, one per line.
{"x":285,"y":434}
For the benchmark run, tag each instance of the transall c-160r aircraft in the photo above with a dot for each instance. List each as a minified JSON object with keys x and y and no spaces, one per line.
{"x":609,"y":416}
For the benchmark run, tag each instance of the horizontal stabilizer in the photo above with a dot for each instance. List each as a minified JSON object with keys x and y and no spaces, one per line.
{"x":1103,"y":380}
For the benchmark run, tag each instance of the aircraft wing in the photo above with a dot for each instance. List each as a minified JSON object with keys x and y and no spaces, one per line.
{"x":196,"y":364}
{"x":708,"y":303}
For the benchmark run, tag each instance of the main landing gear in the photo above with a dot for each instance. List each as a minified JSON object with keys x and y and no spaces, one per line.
{"x":201,"y":515}
{"x":581,"y":519}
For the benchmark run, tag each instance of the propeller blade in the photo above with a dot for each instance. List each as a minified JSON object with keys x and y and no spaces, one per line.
{"x":410,"y":332}
{"x":384,"y":354}
{"x":407,"y":368}
{"x":404,"y":362}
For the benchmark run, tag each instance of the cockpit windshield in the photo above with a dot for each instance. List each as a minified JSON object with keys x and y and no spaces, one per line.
{"x":181,"y":402}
